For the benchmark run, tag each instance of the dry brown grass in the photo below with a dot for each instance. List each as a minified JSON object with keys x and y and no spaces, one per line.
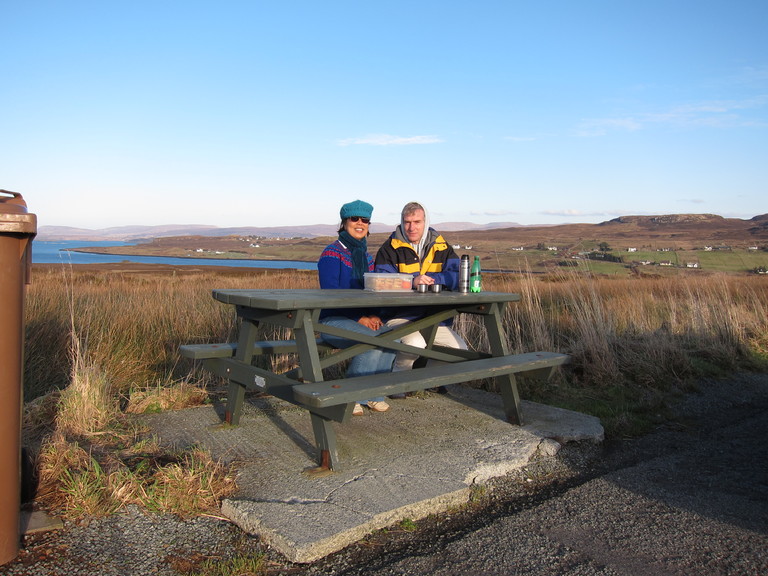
{"x":80,"y":479}
{"x":129,"y":325}
{"x":102,"y":345}
{"x":162,"y":397}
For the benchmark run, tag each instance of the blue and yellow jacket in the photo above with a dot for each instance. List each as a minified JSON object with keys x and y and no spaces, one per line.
{"x":440,"y":262}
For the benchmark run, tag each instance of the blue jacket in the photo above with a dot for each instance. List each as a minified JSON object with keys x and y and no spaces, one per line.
{"x":334,"y":270}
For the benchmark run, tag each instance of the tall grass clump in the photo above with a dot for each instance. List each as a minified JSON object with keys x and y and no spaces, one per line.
{"x":649,"y":331}
{"x":87,"y":405}
{"x":634,"y":340}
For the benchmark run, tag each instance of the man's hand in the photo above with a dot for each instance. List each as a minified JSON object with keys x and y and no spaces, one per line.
{"x":423,"y":279}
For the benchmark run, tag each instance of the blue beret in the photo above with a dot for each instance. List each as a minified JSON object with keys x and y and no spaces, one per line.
{"x":356,"y":208}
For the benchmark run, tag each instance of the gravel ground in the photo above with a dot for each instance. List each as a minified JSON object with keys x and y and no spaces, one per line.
{"x":133,"y":543}
{"x":689,"y":498}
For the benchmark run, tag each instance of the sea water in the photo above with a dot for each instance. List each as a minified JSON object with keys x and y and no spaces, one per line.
{"x":47,"y":252}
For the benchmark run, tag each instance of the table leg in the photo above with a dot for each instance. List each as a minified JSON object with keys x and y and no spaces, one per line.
{"x":306,"y":345}
{"x":235,"y":399}
{"x":236,"y":395}
{"x":507,"y":383}
{"x":511,"y":398}
{"x":325,"y":439}
{"x":309,"y":362}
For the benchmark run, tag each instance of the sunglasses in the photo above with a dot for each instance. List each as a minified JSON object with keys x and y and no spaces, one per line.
{"x":359,"y":219}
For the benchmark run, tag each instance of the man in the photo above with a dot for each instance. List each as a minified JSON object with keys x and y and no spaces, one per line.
{"x":415,"y":248}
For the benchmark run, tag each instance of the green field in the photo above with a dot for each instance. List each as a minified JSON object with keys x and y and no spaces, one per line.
{"x":731,"y":261}
{"x":495,"y":254}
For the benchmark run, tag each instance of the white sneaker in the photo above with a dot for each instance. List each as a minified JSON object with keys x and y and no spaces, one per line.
{"x":380,"y":406}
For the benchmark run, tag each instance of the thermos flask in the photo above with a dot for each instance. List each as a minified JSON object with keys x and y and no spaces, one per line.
{"x":464,"y":274}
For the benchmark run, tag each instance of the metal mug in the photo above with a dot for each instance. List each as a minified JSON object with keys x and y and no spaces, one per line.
{"x":421,"y":288}
{"x":436,"y":288}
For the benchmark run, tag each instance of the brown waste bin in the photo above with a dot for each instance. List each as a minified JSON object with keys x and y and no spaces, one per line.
{"x":17,"y":229}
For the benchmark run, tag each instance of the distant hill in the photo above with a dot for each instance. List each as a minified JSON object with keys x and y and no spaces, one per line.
{"x":461,"y":226}
{"x":121,"y":233}
{"x":134,"y":233}
{"x":668,"y":229}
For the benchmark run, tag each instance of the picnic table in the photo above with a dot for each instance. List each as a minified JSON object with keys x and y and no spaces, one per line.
{"x":331,"y":401}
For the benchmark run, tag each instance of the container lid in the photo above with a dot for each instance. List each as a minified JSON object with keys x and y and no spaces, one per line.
{"x":14,"y":218}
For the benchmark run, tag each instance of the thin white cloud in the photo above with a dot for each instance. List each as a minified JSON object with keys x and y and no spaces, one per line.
{"x":389,"y":140}
{"x":713,"y":113}
{"x":578,"y":213}
{"x":751,"y":75}
{"x":740,"y":215}
{"x":494,"y":213}
{"x":601,"y":126}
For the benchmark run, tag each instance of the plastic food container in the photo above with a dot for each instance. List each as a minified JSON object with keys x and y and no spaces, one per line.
{"x":388,"y":282}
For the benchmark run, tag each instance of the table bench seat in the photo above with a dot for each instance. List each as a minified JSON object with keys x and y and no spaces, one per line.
{"x":326,"y":394}
{"x":228,"y":349}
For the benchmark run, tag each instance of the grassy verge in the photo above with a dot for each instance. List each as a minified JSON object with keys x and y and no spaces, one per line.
{"x":103,"y":345}
{"x":635,"y":342}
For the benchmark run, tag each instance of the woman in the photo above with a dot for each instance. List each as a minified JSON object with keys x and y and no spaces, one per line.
{"x":341,"y":266}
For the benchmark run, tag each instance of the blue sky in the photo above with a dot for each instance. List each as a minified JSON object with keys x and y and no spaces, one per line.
{"x":235,"y":113}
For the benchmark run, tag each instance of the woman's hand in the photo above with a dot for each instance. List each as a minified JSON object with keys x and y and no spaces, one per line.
{"x":372,"y":322}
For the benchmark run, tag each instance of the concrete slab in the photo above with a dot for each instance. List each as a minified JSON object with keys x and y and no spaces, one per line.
{"x":38,"y":521}
{"x":421,"y":457}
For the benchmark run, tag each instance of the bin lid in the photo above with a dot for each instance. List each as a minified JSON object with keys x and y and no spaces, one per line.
{"x":14,"y":218}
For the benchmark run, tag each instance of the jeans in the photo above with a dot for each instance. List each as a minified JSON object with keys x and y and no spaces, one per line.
{"x":371,"y":362}
{"x":443,"y":337}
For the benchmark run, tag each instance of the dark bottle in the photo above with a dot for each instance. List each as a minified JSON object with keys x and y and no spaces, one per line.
{"x":475,"y":279}
{"x":464,"y":274}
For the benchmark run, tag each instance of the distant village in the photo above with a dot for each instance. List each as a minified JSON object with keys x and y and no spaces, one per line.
{"x":603,"y":253}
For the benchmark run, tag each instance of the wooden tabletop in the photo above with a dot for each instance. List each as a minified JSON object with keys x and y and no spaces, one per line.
{"x":312,"y":299}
